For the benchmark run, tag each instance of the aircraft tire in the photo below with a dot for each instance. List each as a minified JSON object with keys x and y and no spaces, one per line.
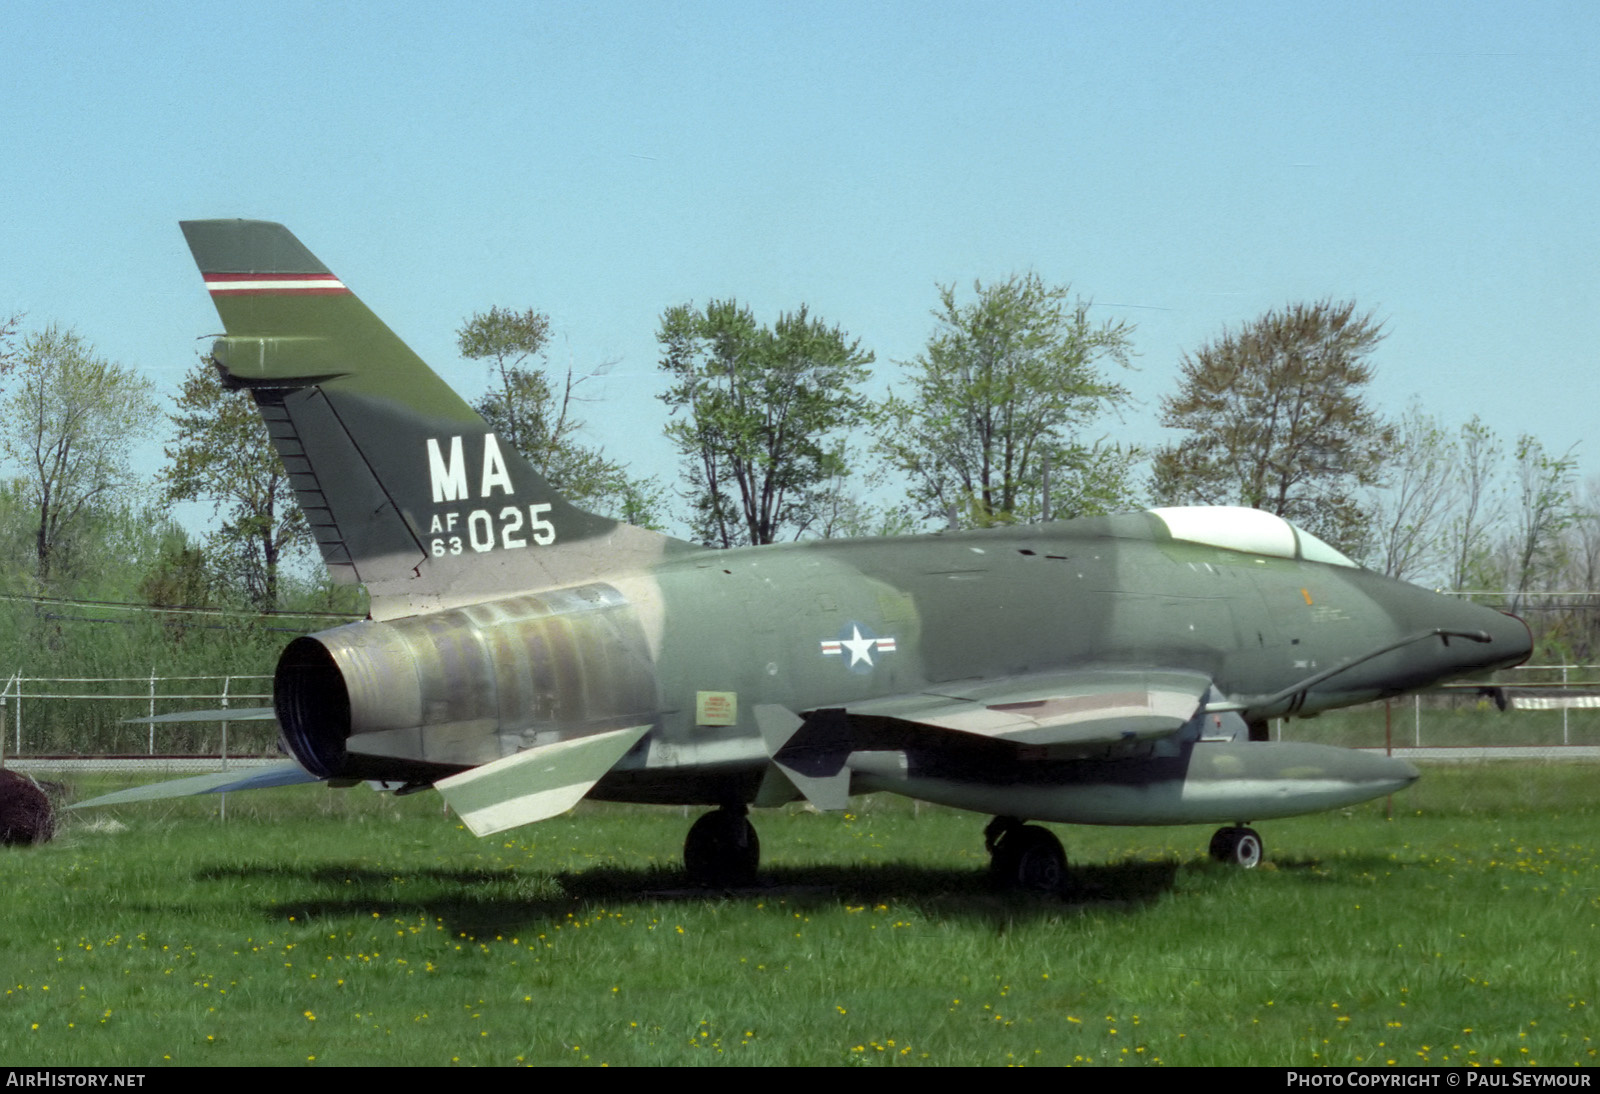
{"x":1239,"y":847}
{"x":1028,"y":858}
{"x":722,"y":850}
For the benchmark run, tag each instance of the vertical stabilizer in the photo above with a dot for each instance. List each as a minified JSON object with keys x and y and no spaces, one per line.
{"x":405,"y":487}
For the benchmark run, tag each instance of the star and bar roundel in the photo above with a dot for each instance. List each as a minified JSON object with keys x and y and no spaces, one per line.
{"x":858,"y":647}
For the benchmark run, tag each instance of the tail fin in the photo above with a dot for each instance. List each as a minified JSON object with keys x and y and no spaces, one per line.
{"x":405,"y":487}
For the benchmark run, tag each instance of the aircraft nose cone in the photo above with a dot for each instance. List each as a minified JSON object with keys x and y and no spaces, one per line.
{"x":1513,"y":637}
{"x":1481,"y":639}
{"x":1510,"y":641}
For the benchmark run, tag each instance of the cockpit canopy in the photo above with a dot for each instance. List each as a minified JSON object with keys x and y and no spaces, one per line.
{"x":1253,"y":531}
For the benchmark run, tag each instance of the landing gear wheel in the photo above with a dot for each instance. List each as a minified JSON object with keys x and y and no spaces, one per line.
{"x":1239,"y":847}
{"x":721,"y":850}
{"x":1024,"y":856}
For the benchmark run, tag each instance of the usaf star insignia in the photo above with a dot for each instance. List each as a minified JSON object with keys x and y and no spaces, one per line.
{"x":857,"y":644}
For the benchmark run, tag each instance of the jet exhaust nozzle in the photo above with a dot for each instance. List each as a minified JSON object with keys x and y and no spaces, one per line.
{"x":313,"y":707}
{"x":464,"y":687}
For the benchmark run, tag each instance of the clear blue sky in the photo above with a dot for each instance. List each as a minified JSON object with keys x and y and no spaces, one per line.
{"x":1185,"y":166}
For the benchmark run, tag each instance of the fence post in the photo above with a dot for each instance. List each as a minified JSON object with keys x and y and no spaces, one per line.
{"x":1388,"y":750}
{"x":225,"y":682}
{"x":1564,"y":711}
{"x":1416,"y":701}
{"x":151,"y":748}
{"x":222,"y":806}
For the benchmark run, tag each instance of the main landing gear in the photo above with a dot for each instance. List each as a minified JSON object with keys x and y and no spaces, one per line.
{"x":1024,"y":856}
{"x":721,"y":850}
{"x":1237,"y":846}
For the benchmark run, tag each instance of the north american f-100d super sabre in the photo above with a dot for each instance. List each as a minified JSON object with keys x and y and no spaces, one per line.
{"x":522,"y":654}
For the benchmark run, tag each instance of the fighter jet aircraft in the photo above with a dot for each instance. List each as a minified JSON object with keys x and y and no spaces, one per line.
{"x":523,"y":654}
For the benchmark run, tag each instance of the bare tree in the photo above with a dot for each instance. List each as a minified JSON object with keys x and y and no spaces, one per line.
{"x":8,"y":342}
{"x":1481,"y":506}
{"x":1545,"y":509}
{"x":1583,"y":570}
{"x":1422,"y":489}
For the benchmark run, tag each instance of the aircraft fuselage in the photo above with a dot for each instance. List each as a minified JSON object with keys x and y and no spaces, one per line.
{"x":695,"y":645}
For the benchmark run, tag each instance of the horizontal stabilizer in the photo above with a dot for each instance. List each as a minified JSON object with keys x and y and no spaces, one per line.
{"x":535,"y":784}
{"x":1083,"y":707}
{"x":238,"y":714}
{"x":288,"y":773}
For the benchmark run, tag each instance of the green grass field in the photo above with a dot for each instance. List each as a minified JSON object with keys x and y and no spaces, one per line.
{"x":345,"y":927}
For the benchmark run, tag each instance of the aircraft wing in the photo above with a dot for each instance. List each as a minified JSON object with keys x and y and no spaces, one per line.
{"x":287,"y":773}
{"x":1082,"y":707}
{"x":237,"y":714}
{"x":1087,"y":709}
{"x":524,"y":787}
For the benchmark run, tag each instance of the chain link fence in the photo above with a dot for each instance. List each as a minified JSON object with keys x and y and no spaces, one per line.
{"x":76,"y":716}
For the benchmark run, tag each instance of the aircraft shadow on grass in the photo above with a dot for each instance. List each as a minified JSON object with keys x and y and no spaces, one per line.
{"x":478,"y":900}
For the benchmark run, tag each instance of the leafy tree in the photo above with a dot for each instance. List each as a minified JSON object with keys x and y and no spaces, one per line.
{"x":221,"y":453}
{"x":1277,"y":419}
{"x":765,"y":414}
{"x":523,"y":407}
{"x":1004,"y":390}
{"x":178,"y":579}
{"x":70,"y":425}
{"x":519,"y":397}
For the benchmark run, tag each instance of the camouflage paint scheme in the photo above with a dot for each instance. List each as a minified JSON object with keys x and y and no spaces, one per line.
{"x":522,"y":653}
